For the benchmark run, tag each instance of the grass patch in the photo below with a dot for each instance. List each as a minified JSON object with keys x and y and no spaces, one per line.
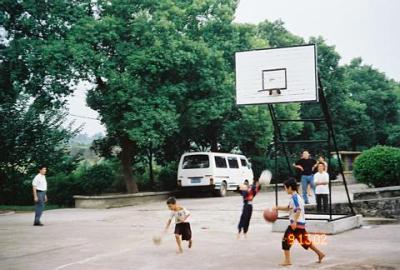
{"x":26,"y":208}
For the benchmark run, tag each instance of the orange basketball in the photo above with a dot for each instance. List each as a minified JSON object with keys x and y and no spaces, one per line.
{"x":270,"y":215}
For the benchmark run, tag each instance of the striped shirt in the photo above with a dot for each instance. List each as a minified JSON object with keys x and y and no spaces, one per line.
{"x":296,"y":204}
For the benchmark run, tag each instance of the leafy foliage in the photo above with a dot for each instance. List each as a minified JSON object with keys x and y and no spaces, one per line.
{"x":378,"y":166}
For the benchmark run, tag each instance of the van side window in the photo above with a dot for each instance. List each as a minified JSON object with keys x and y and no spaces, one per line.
{"x":220,"y":162}
{"x":243,"y":162}
{"x":233,"y":162}
{"x":195,"y":162}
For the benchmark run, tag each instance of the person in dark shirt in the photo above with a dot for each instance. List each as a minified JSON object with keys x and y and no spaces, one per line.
{"x":305,"y":165}
{"x":248,"y":192}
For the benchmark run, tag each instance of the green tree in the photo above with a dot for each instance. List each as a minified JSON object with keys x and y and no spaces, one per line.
{"x":146,"y":58}
{"x":277,"y":35}
{"x":348,"y":115}
{"x":34,"y":80}
{"x":371,"y":87}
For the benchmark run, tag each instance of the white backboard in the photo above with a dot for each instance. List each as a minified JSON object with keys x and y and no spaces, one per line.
{"x":291,"y":70}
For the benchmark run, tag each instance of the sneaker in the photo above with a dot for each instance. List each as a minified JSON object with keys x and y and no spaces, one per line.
{"x":38,"y":224}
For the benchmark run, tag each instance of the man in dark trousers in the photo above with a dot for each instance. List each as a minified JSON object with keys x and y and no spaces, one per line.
{"x":305,"y":165}
{"x":39,"y":188}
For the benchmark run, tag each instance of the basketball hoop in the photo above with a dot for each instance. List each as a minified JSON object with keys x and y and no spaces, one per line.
{"x":274,"y":92}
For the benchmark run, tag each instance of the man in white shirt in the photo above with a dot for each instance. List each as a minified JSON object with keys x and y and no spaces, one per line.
{"x":39,"y":188}
{"x":321,"y":180}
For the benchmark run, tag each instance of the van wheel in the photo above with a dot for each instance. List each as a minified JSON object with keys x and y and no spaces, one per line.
{"x":222,"y":190}
{"x":246,"y":182}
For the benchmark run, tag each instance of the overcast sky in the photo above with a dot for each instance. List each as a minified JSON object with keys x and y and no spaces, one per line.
{"x":369,"y":29}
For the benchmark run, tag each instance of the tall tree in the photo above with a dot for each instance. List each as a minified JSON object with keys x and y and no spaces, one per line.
{"x":371,"y":88}
{"x":145,"y":59}
{"x":35,"y":78}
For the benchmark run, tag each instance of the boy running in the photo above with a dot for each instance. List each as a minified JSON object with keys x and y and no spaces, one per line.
{"x":182,"y":225}
{"x":296,"y":229}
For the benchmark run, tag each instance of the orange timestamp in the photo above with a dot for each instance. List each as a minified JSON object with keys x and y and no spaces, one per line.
{"x":306,"y":239}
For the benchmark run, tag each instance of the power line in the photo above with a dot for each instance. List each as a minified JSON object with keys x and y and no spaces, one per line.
{"x":84,"y":117}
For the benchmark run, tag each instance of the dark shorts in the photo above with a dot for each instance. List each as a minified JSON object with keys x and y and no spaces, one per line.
{"x":291,"y":235}
{"x":184,"y":230}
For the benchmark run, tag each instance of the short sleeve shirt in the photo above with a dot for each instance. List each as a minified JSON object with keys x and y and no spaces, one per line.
{"x":180,"y":215}
{"x":39,"y":182}
{"x":296,"y":204}
{"x":307,"y":165}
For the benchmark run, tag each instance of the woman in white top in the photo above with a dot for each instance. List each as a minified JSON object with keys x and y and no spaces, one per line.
{"x":321,"y":181}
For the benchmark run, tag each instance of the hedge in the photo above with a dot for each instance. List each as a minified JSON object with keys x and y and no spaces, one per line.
{"x":378,"y":166}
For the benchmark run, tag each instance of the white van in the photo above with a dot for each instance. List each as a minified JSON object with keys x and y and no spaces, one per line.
{"x":218,"y":171}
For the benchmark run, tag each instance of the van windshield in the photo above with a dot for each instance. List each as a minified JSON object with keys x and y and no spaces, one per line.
{"x":196,"y":162}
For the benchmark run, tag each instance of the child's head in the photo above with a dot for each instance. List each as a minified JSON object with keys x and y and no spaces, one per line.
{"x":171,"y":202}
{"x":290,"y":185}
{"x":321,"y":167}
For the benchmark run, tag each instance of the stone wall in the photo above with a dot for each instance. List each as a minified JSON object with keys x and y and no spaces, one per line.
{"x":118,"y":200}
{"x":376,"y":202}
{"x":374,"y":193}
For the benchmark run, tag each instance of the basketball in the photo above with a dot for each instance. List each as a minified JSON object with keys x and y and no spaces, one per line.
{"x":270,"y":215}
{"x":157,"y":240}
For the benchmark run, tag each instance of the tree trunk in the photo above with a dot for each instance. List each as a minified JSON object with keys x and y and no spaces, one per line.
{"x":214,"y":145}
{"x":126,"y":158}
{"x":214,"y":137}
{"x":150,"y":157}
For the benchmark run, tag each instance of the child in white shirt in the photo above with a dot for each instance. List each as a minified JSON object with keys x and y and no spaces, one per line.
{"x":321,"y":181}
{"x":181,"y":216}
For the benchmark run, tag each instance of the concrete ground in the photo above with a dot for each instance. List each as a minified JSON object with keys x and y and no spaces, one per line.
{"x":121,"y":238}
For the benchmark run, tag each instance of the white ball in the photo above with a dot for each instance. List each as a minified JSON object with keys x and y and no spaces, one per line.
{"x":157,"y":240}
{"x":265,"y":177}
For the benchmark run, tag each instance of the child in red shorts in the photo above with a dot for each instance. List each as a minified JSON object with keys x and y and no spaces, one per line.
{"x":296,"y":229}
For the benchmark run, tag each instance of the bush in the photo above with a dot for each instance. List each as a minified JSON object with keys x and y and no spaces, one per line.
{"x":62,"y":188}
{"x":142,"y":175}
{"x":16,"y":189}
{"x":86,"y":180}
{"x":378,"y":166}
{"x":97,"y":179}
{"x":168,"y":176}
{"x":333,"y":169}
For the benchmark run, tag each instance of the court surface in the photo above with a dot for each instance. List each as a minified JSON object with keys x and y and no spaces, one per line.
{"x":121,"y":238}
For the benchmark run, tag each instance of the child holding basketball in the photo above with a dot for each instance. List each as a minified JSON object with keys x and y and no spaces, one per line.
{"x":296,"y":229}
{"x":248,"y":193}
{"x":182,"y":225}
